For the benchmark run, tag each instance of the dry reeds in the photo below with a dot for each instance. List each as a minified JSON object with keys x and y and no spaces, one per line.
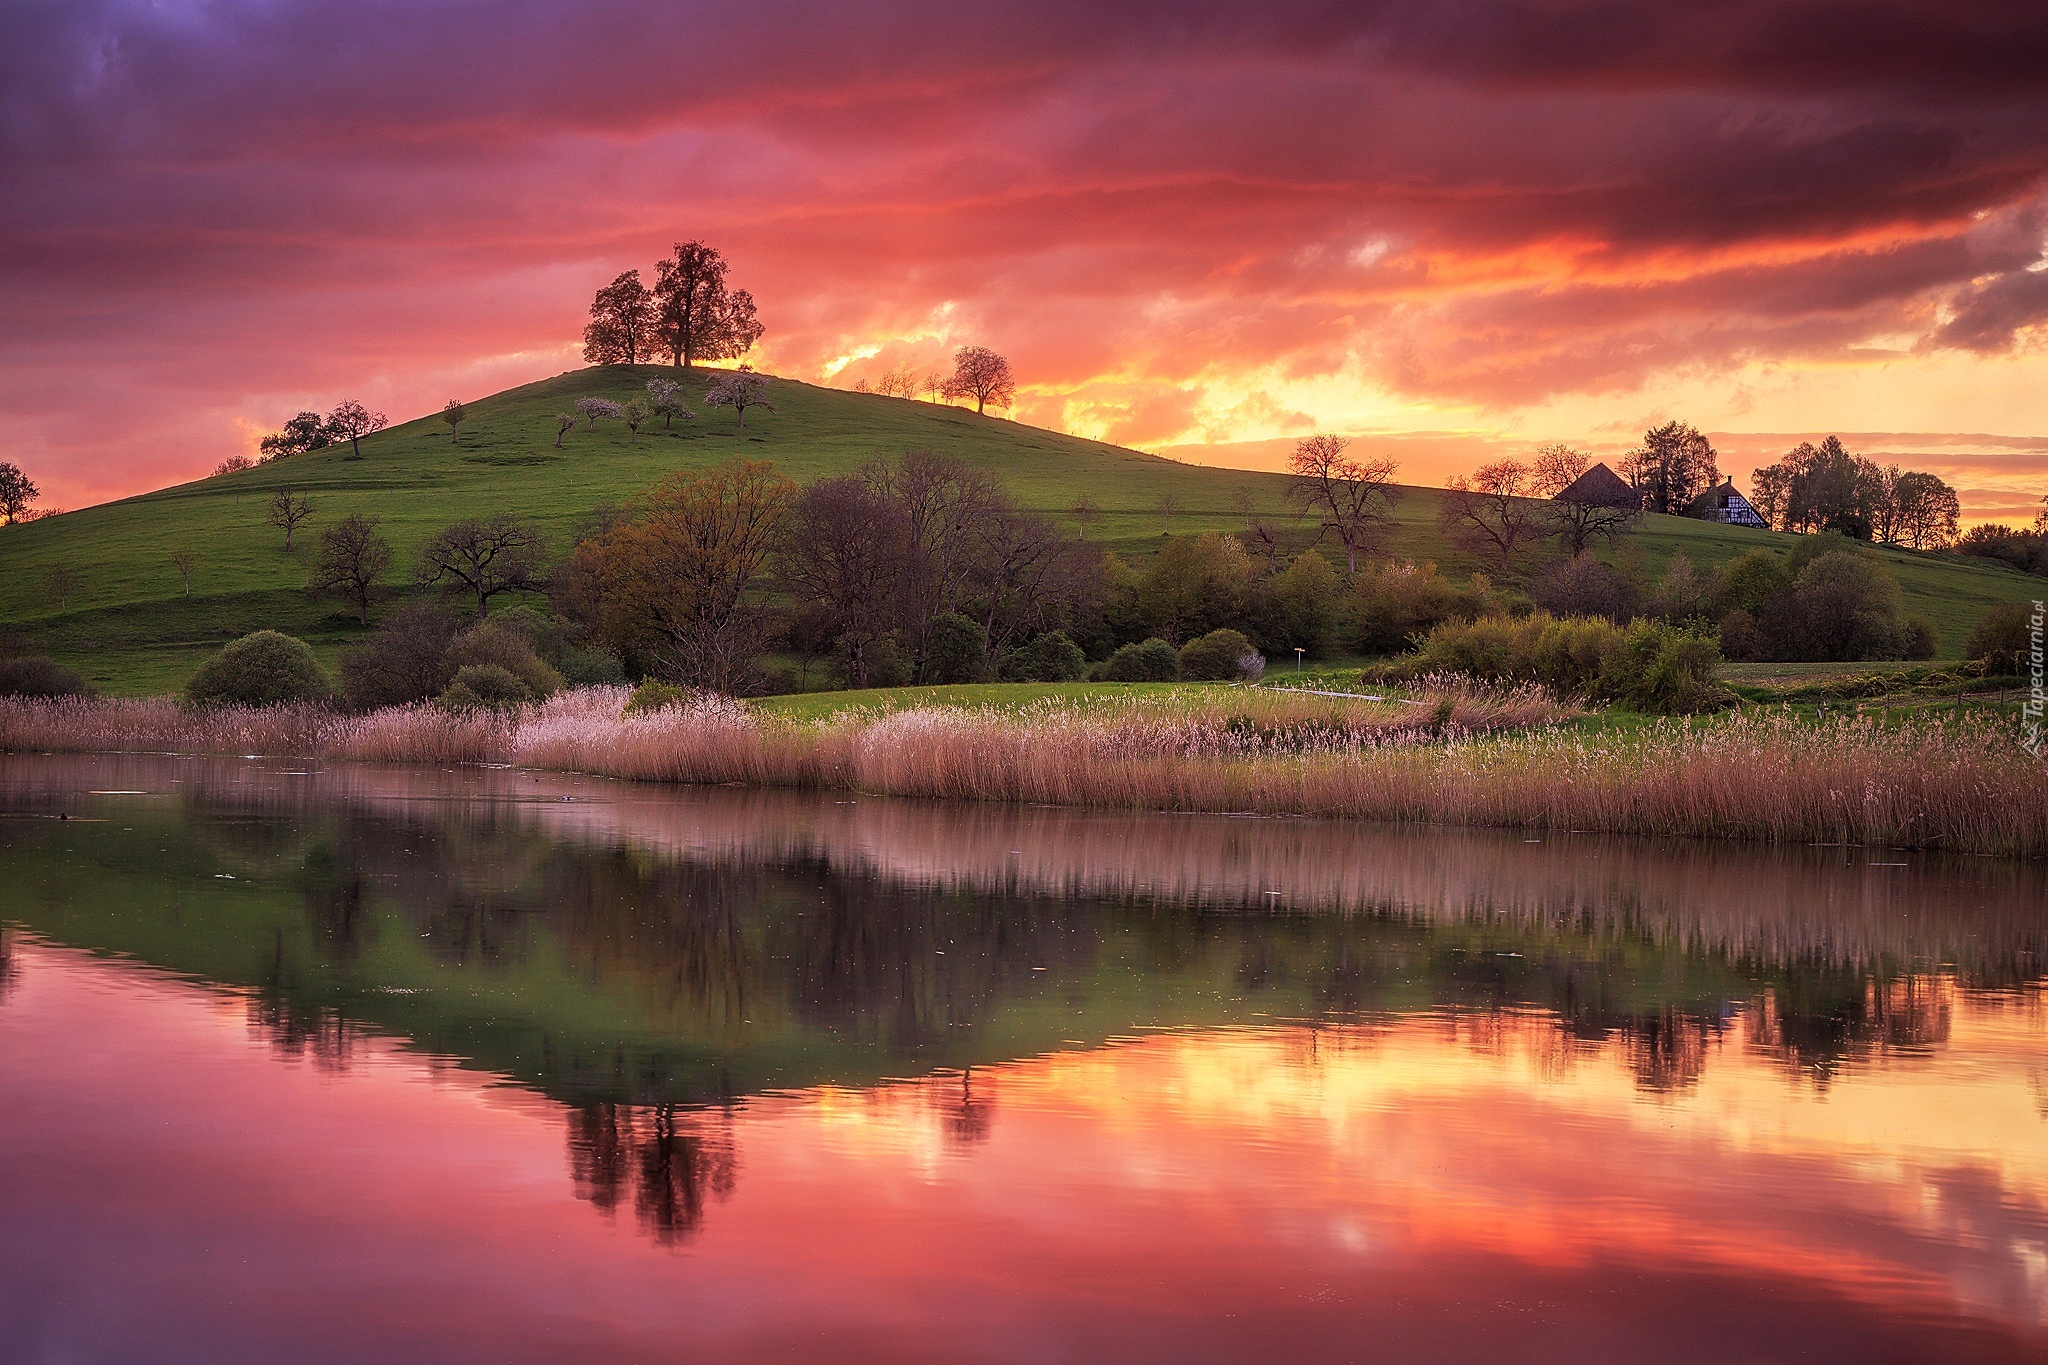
{"x":1446,"y":755}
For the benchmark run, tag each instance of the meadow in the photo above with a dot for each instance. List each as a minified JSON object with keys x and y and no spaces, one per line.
{"x":131,"y":629}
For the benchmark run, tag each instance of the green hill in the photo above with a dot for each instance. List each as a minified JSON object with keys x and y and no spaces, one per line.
{"x":130,"y":628}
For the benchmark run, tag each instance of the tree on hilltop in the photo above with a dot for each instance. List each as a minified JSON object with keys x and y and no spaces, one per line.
{"x":352,"y":421}
{"x":982,"y":375}
{"x":622,"y":317}
{"x":307,"y":431}
{"x":695,"y":316}
{"x":1492,"y":512}
{"x":1355,"y":498}
{"x":454,"y":415}
{"x":1557,"y":468}
{"x":1674,"y":465}
{"x":665,"y":398}
{"x":17,"y":491}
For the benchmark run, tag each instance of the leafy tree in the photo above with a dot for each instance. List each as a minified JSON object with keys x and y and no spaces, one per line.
{"x":1926,"y":511}
{"x":670,"y":580}
{"x":183,"y":561}
{"x":17,"y":492}
{"x":665,"y":400}
{"x":982,"y":375}
{"x":1050,"y":657}
{"x":233,"y":464}
{"x":739,"y":390}
{"x":1491,"y":513}
{"x":307,"y":431}
{"x":622,"y":323}
{"x":1673,"y":466}
{"x":1310,"y":598}
{"x":289,"y":507}
{"x":263,"y":669}
{"x":1220,"y":656}
{"x":593,"y":408}
{"x":1769,"y":493}
{"x":487,"y":556}
{"x":2003,"y":638}
{"x":454,"y":414}
{"x":352,"y":421}
{"x":352,"y":557}
{"x":1194,"y":585}
{"x":1355,"y":498}
{"x":1825,"y":488}
{"x":634,"y":413}
{"x":1844,"y":606}
{"x":564,"y":421}
{"x":696,"y":317}
{"x":956,"y":650}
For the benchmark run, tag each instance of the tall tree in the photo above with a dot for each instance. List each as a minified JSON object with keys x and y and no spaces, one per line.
{"x":352,"y":557}
{"x":352,"y":421}
{"x":670,"y":580}
{"x":1557,"y":468}
{"x":739,"y":390}
{"x":1674,"y":465}
{"x":843,"y":550}
{"x":696,"y":317}
{"x":17,"y":492}
{"x":307,"y":431}
{"x":1491,"y":513}
{"x":982,"y":375}
{"x":1354,"y":498}
{"x":622,"y":323}
{"x":1830,"y":489}
{"x":1927,"y":511}
{"x":1769,"y":492}
{"x":454,"y":414}
{"x":486,"y":555}
{"x":289,"y":507}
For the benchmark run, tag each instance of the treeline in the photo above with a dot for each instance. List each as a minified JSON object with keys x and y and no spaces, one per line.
{"x":1826,"y":488}
{"x":2023,"y":549}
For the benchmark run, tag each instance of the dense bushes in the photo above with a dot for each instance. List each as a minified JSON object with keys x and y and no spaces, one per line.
{"x":1830,"y":601}
{"x":1052,"y":657}
{"x":33,"y":675}
{"x":404,"y":660}
{"x":417,"y":651}
{"x":1221,"y":656}
{"x":955,"y":650}
{"x":1390,"y":606}
{"x":262,"y":669}
{"x":1645,"y":665}
{"x":486,"y":685}
{"x":2004,"y":638}
{"x":1152,"y":660}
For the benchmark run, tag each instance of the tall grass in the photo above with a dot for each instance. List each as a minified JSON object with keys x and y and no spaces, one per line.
{"x":1446,"y":755}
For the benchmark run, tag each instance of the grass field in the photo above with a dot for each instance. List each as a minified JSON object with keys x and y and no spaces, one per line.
{"x":130,"y":628}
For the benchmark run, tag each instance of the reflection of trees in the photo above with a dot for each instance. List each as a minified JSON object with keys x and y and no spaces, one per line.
{"x":9,"y":968}
{"x":1815,"y":1022}
{"x":668,"y":1158}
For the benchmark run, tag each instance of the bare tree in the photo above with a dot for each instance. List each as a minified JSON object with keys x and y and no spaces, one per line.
{"x":61,"y":582}
{"x":1354,"y":498}
{"x":843,"y":549}
{"x":1576,"y":521}
{"x":1261,"y":530}
{"x":934,"y":387}
{"x":352,"y":557}
{"x":487,"y":556}
{"x":1557,"y":468}
{"x":352,"y":421}
{"x":453,"y":414}
{"x":1085,"y":514}
{"x":594,"y":408}
{"x":564,"y":421}
{"x":1024,"y":575}
{"x":17,"y":492}
{"x":739,"y":390}
{"x":982,"y":375}
{"x":183,"y":561}
{"x":1491,"y":512}
{"x":289,"y":507}
{"x":1166,"y":506}
{"x":621,"y":328}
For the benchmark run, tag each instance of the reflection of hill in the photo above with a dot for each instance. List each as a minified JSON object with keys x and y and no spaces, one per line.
{"x":611,"y":944}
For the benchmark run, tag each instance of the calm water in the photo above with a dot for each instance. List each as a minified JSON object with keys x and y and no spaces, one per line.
{"x":346,"y":1065}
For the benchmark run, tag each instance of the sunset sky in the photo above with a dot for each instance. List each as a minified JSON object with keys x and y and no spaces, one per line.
{"x":1451,"y":228}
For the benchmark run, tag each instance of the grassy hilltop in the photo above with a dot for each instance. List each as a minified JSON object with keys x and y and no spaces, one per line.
{"x":130,"y":628}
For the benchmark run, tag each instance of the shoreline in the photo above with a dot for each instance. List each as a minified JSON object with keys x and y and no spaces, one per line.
{"x":1474,"y":761}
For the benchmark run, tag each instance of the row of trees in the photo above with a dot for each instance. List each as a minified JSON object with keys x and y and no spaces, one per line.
{"x":1825,"y":487}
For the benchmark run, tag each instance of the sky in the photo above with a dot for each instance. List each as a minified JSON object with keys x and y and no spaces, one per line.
{"x":1452,"y":229}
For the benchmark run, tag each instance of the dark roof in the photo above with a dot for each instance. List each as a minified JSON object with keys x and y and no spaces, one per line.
{"x":1600,"y":487}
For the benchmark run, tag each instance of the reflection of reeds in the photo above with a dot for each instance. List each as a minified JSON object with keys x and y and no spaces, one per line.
{"x":1457,"y":758}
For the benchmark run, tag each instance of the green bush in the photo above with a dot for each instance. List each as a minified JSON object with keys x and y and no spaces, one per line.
{"x":1052,"y":657}
{"x":262,"y":669}
{"x":488,"y":685}
{"x":495,"y":646}
{"x":887,"y":664}
{"x":33,"y":675}
{"x":2003,"y":639}
{"x":1918,"y":635}
{"x":652,"y":695}
{"x":1220,"y":656}
{"x":1662,"y":669}
{"x":955,"y":650}
{"x":1154,"y":660}
{"x":1392,"y":605}
{"x":1645,"y":665}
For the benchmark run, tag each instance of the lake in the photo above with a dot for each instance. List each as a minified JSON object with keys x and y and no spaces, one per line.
{"x":342,"y":1064}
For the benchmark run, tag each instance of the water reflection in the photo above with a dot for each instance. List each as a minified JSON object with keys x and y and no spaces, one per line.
{"x":1804,"y":1083}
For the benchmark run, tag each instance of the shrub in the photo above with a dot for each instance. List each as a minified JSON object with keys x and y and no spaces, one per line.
{"x":486,"y":685}
{"x":1221,"y":655}
{"x":955,"y":650}
{"x":1662,"y":669}
{"x":589,"y":666}
{"x":1396,"y":603}
{"x":404,"y":660}
{"x":1844,"y":606}
{"x":262,"y":669}
{"x":1742,"y":638}
{"x":1646,"y":665}
{"x":1052,"y":657}
{"x":493,"y":645}
{"x":887,"y":664}
{"x":35,"y":676}
{"x":652,"y":694}
{"x":1154,"y":660}
{"x":1584,"y":586}
{"x":2003,"y":638}
{"x":1752,"y":583}
{"x":1918,"y":638}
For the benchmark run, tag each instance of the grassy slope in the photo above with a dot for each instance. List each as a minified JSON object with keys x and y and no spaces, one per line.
{"x":130,"y":628}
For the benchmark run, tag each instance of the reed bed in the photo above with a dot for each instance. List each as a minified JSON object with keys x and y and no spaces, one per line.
{"x":1445,"y":755}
